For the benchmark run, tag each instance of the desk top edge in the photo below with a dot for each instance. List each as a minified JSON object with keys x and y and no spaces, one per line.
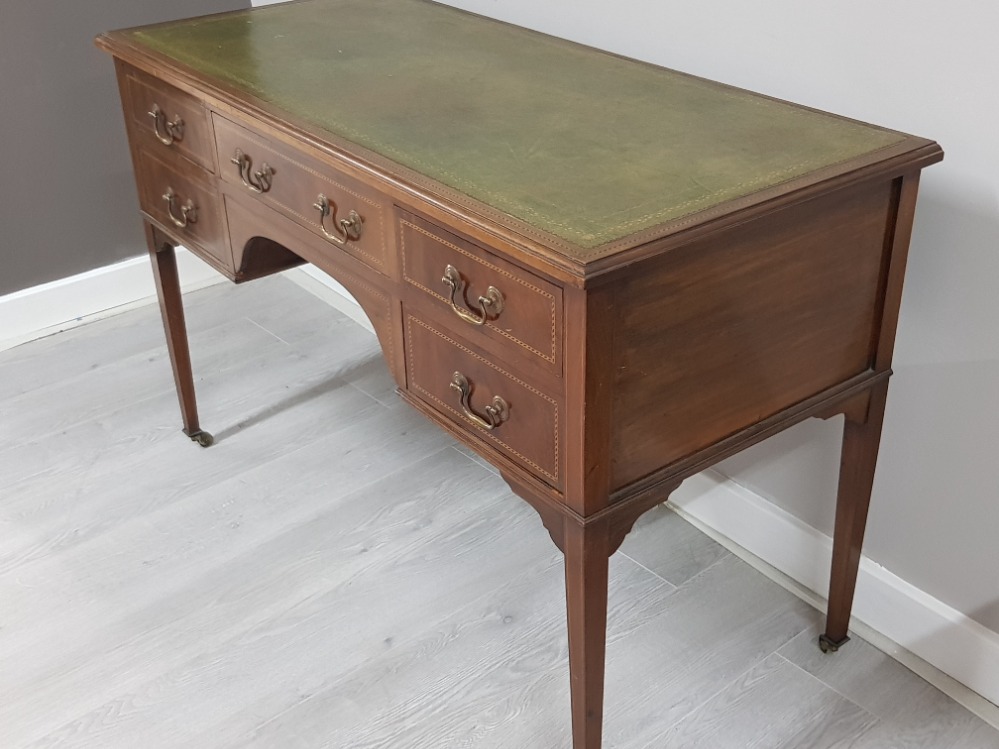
{"x":907,"y":153}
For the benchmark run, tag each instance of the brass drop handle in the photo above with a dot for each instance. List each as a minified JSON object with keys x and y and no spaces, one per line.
{"x":490,"y":305}
{"x":188,"y":211}
{"x":258,"y":181}
{"x":496,"y":412}
{"x":346,"y":228}
{"x":166,"y":132}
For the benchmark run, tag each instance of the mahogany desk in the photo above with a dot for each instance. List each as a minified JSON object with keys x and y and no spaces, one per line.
{"x":601,"y":275}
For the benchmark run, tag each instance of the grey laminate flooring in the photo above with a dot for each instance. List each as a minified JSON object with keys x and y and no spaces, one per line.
{"x":335,"y":572}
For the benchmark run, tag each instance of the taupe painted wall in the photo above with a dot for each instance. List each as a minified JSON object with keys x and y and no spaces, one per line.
{"x":67,"y":197}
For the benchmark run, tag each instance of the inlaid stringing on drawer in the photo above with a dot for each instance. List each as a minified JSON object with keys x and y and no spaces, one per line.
{"x":486,"y":298}
{"x":527,"y":420}
{"x":169,"y":120}
{"x":356,"y":219}
{"x":184,"y":204}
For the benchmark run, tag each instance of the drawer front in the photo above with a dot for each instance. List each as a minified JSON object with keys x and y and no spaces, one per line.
{"x":505,"y":308}
{"x":345,"y":213}
{"x":186,"y":206}
{"x":472,"y":391}
{"x":167,"y":119}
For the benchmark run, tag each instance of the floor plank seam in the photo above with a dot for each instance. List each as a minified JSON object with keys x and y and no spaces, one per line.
{"x":153,"y":393}
{"x":306,"y":392}
{"x":266,"y":330}
{"x":168,"y":389}
{"x":469,"y":455}
{"x":366,"y":393}
{"x":414,"y":638}
{"x":710,"y":697}
{"x":826,"y":685}
{"x":698,"y":574}
{"x":655,"y":574}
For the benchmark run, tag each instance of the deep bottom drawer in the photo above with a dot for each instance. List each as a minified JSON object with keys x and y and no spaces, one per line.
{"x":490,"y":403}
{"x":186,"y":206}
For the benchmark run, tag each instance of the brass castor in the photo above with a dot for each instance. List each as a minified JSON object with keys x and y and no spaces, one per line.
{"x":203,"y":438}
{"x":831,"y":646}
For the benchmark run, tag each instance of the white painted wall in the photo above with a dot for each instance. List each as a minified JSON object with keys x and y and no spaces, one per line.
{"x":924,"y":67}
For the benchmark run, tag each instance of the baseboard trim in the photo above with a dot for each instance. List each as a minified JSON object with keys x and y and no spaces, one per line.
{"x":51,"y":307}
{"x":952,"y":651}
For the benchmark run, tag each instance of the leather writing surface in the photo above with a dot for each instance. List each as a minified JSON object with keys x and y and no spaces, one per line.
{"x":578,"y":143}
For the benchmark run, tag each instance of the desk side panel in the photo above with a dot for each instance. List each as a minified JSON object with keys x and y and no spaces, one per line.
{"x":722,"y":333}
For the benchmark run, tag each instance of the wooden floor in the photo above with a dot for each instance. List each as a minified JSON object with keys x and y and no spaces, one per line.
{"x":335,"y":572}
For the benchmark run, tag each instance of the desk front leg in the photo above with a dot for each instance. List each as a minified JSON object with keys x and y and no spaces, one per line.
{"x":164,"y":261}
{"x":587,"y":557}
{"x":861,"y":439}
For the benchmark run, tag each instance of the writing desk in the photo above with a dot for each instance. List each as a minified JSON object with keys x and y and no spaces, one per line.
{"x":601,"y":275}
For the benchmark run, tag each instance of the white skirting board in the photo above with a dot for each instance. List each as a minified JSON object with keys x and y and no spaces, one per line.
{"x":48,"y":308}
{"x":892,"y":614}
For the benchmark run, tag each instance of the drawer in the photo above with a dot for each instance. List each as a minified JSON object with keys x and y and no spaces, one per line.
{"x":344,"y":212}
{"x":490,"y":403}
{"x":186,"y":206}
{"x":169,"y":119}
{"x":506,"y":309}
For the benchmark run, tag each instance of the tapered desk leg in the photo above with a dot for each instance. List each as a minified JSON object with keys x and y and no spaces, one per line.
{"x":861,"y":440}
{"x":164,"y":261}
{"x":587,"y":551}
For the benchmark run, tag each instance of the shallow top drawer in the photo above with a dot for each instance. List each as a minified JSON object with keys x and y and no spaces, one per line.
{"x":175,"y":120}
{"x":497,"y":304}
{"x":348,"y":214}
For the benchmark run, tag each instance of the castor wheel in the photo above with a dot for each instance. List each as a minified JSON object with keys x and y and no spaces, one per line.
{"x":831,"y":646}
{"x":203,"y":438}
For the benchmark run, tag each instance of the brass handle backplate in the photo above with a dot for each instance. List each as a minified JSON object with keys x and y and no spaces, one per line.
{"x":188,"y":211}
{"x":259,"y":181}
{"x":345,"y":229}
{"x":490,"y":305}
{"x":167,"y":133}
{"x":496,"y":412}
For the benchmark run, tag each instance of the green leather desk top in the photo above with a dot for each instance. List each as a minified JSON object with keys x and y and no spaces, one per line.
{"x":578,"y":143}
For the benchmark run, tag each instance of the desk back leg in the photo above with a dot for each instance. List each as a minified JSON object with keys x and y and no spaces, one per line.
{"x":861,"y":439}
{"x":164,"y":261}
